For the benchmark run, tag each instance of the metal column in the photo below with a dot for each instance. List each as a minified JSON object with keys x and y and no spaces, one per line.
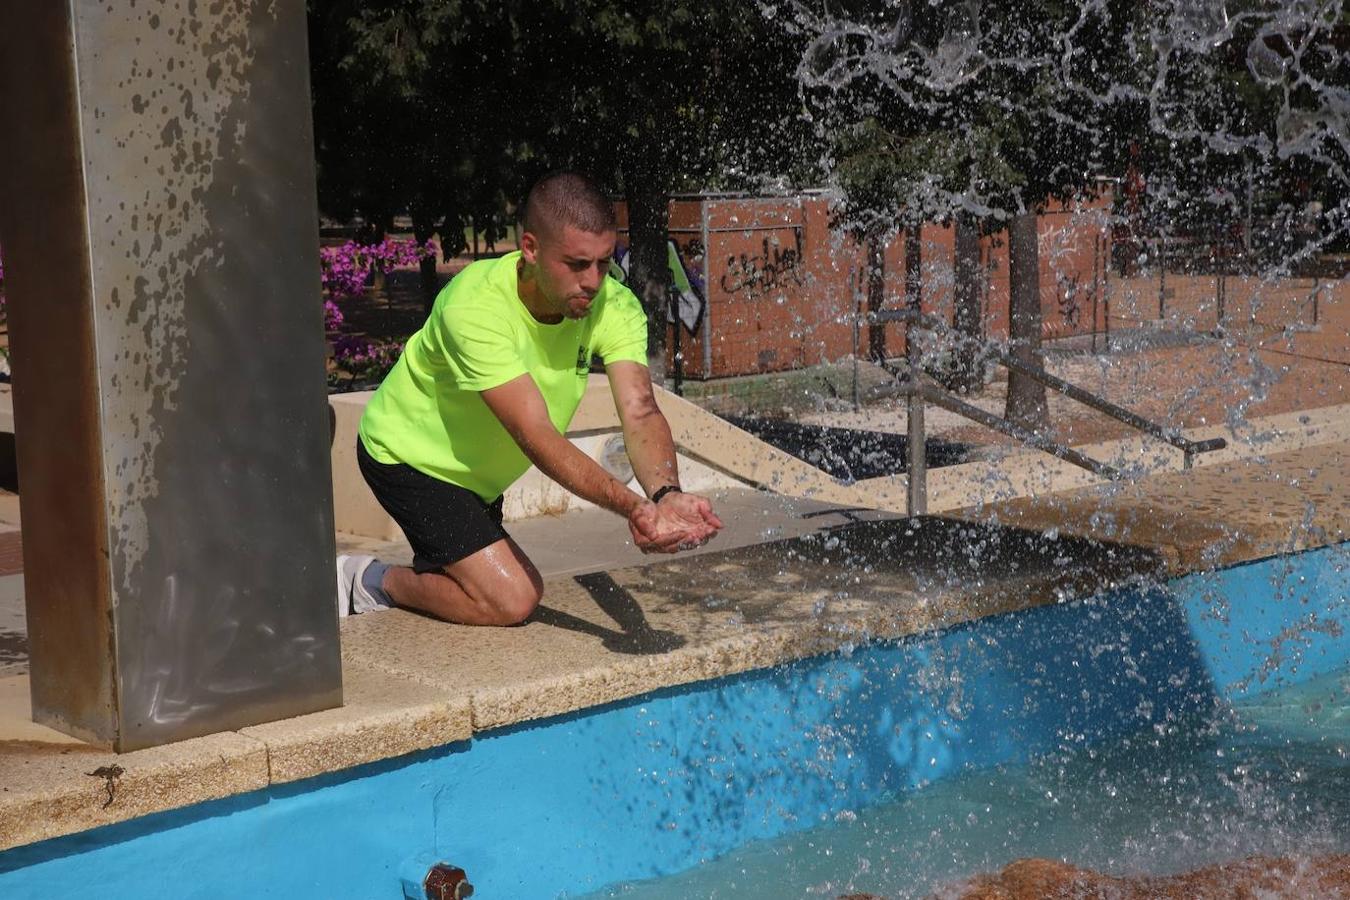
{"x":158,"y":220}
{"x":707,"y":293}
{"x":916,"y":448}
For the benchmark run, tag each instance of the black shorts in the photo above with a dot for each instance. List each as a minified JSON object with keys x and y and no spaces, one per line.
{"x":444,"y":522}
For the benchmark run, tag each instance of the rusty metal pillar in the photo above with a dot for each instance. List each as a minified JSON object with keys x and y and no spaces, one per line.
{"x":158,"y":221}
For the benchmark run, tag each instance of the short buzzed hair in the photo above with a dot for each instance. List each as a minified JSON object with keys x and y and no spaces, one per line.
{"x":567,"y":198}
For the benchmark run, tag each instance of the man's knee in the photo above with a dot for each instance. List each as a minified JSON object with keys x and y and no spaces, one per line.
{"x":519,"y":598}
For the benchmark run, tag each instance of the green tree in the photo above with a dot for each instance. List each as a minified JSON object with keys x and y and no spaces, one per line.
{"x":461,"y":104}
{"x":1243,"y":127}
{"x":962,"y":112}
{"x":662,"y":98}
{"x":413,"y":114}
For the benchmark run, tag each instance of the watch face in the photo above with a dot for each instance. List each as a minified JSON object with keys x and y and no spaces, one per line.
{"x":613,"y":459}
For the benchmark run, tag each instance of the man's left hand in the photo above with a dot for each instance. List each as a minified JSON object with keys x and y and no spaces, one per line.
{"x":679,"y":522}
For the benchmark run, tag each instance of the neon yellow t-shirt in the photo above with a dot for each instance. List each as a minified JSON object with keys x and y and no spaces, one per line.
{"x":428,"y":412}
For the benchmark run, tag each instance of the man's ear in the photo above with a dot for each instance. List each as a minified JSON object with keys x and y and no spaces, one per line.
{"x":529,"y":247}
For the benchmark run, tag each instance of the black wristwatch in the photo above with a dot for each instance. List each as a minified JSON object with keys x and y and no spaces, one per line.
{"x":668,"y":489}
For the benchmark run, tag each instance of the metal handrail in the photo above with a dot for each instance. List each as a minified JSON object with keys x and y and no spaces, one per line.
{"x":936,"y":395}
{"x":920,"y":390}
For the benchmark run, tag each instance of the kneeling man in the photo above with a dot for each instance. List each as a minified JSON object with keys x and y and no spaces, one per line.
{"x":487,"y":387}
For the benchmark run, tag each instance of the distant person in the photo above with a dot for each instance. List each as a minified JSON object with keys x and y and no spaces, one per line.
{"x":487,"y":387}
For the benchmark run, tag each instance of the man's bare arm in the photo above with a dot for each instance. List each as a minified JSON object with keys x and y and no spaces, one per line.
{"x":522,"y":411}
{"x":651,"y":450}
{"x":646,"y":433}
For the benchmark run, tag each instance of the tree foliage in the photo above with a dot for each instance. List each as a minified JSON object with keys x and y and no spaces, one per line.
{"x":414,"y":115}
{"x":937,"y":109}
{"x":970,"y":108}
{"x":451,"y":108}
{"x":959,"y":113}
{"x":1245,"y":120}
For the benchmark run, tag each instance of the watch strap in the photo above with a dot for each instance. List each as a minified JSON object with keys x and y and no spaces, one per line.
{"x":668,"y":489}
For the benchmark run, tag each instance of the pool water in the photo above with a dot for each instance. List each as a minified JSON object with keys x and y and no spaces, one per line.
{"x":1271,"y":776}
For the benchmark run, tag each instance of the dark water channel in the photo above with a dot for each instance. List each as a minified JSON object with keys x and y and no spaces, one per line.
{"x":848,"y":453}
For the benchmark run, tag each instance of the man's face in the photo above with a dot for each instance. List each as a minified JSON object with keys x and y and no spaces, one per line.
{"x":571,"y":265}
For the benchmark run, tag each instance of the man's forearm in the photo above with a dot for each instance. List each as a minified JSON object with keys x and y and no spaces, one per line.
{"x":560,"y":460}
{"x":651,"y":450}
{"x":522,"y":411}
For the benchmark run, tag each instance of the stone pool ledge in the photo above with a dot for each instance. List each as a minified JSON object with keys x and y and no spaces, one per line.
{"x":608,"y":636}
{"x":1219,"y":515}
{"x":52,"y":784}
{"x":412,"y":683}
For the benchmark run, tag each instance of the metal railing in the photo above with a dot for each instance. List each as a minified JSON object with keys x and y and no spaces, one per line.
{"x":919,"y":389}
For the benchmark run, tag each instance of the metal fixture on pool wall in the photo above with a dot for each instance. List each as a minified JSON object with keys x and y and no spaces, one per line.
{"x":447,"y":882}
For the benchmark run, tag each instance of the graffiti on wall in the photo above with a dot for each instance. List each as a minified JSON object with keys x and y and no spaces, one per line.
{"x":1067,"y":244}
{"x":1073,"y":297}
{"x":773,"y":267}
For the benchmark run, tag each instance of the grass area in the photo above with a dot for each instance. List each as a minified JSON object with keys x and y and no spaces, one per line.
{"x":503,"y":245}
{"x":786,"y":394}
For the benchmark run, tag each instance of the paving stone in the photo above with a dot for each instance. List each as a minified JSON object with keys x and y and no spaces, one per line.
{"x":381,"y":717}
{"x":48,"y":789}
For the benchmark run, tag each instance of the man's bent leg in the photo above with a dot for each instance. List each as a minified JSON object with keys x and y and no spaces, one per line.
{"x":497,"y":585}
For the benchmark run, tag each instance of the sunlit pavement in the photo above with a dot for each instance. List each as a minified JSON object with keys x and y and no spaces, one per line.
{"x":1269,"y":358}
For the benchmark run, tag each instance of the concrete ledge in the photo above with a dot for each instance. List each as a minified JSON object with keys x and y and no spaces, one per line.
{"x":1221,"y":515}
{"x":52,"y":784}
{"x":608,"y":636}
{"x":51,"y":789}
{"x":381,"y":717}
{"x":355,"y":511}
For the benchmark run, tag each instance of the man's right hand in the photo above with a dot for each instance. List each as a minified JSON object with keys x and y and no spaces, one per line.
{"x":679,"y":522}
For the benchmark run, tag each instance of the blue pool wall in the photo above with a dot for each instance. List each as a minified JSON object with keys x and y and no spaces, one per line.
{"x":657,"y":784}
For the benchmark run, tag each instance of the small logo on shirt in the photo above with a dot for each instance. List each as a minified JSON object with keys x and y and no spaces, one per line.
{"x":583,"y":360}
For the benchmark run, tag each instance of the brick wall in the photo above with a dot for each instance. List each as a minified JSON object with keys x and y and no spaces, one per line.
{"x":782,"y":286}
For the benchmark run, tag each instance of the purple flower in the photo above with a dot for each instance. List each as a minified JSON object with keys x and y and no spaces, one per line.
{"x":347,"y":267}
{"x":344,"y":270}
{"x":364,"y":358}
{"x":332,"y":316}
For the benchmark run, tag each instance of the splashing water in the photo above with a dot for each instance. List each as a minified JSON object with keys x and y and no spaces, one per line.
{"x":1270,"y":778}
{"x":1207,"y":143}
